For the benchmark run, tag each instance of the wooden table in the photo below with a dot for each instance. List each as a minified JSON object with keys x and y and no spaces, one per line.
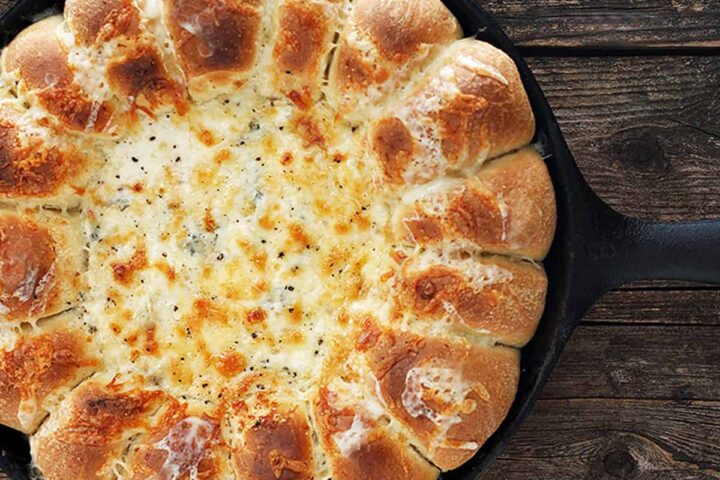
{"x":636,"y":87}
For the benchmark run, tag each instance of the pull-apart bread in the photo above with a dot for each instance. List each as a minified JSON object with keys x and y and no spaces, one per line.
{"x":264,"y":239}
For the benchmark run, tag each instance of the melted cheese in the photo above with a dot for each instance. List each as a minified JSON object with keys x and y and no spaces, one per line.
{"x":478,"y":273}
{"x":350,"y":441}
{"x":225,"y":234}
{"x":443,"y":386}
{"x":185,"y":446}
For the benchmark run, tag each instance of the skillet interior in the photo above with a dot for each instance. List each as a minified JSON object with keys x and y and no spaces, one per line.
{"x":564,"y":304}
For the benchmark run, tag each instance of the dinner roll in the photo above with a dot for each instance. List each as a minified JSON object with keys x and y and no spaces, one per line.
{"x":450,"y":395}
{"x":33,"y":167}
{"x":490,"y":295}
{"x":89,"y":434}
{"x":470,"y":106}
{"x":383,"y":43}
{"x":183,"y":444}
{"x":216,"y":44}
{"x":113,"y":40}
{"x":270,"y":432}
{"x":508,"y":207}
{"x":42,"y":261}
{"x":354,"y":428}
{"x":304,"y":32}
{"x":40,"y":62}
{"x":38,"y":368}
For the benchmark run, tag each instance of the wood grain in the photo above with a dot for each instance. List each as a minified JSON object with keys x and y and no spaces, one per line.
{"x":650,"y":306}
{"x":610,"y":24}
{"x":616,"y":439}
{"x":644,"y":130}
{"x":652,"y":362}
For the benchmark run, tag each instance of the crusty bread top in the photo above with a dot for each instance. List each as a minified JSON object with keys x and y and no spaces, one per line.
{"x":493,"y":295}
{"x":264,"y":239}
{"x":28,"y":167}
{"x":95,"y":21}
{"x":508,"y":207}
{"x":353,"y":427}
{"x":219,"y":37}
{"x":41,"y":263}
{"x":28,"y":254}
{"x":384,"y":42}
{"x":36,"y":52}
{"x":90,"y":431}
{"x":400,"y":27}
{"x":449,"y":394}
{"x":42,"y":64}
{"x":40,"y":366}
{"x":470,"y":106}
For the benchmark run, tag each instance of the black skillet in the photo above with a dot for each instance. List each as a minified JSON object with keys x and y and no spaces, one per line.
{"x":595,"y":248}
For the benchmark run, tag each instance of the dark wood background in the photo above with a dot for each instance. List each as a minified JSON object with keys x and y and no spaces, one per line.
{"x":636,"y":87}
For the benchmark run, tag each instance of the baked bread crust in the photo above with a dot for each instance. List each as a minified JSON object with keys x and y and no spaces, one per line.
{"x":382,"y":43}
{"x":470,"y":106}
{"x":39,"y":367}
{"x":36,"y":169}
{"x":508,"y":208}
{"x":41,"y":63}
{"x":490,"y":294}
{"x":92,"y":428}
{"x":270,"y":430}
{"x":41,"y":265}
{"x":264,"y":239}
{"x":216,"y":43}
{"x":449,"y":394}
{"x":353,"y":427}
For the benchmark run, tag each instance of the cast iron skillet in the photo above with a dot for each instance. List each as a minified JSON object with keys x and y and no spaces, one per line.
{"x":595,"y":248}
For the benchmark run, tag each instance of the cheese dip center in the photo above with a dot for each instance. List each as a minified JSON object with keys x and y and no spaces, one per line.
{"x":231,"y":239}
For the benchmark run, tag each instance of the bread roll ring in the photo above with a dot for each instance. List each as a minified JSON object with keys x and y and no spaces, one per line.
{"x":264,"y":239}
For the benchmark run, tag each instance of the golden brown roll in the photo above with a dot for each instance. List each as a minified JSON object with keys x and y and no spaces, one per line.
{"x":40,"y":62}
{"x":87,"y":436}
{"x":508,"y":207}
{"x":302,"y":46}
{"x":39,"y":367}
{"x":216,"y":44}
{"x":95,"y":22}
{"x":181,"y":445}
{"x":491,"y":295}
{"x":112,"y":38}
{"x":354,"y":428}
{"x":449,"y":394}
{"x":270,"y":434}
{"x":42,"y":260}
{"x":470,"y":106}
{"x":384,"y":42}
{"x":35,"y":168}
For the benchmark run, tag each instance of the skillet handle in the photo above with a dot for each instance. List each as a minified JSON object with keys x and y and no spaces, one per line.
{"x":614,"y":250}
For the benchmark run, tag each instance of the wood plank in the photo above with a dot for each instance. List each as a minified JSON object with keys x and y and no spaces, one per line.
{"x":670,"y":307}
{"x":610,"y":24}
{"x":651,"y":362}
{"x":644,"y":130}
{"x":620,"y":439}
{"x":668,"y":285}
